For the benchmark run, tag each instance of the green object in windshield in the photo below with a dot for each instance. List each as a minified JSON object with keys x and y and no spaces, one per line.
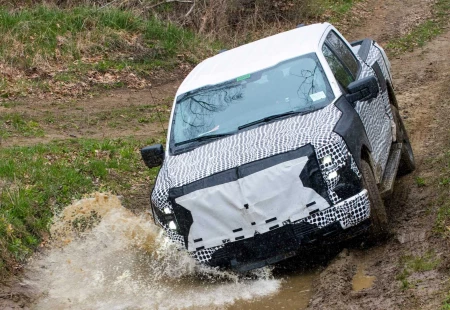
{"x":244,"y":77}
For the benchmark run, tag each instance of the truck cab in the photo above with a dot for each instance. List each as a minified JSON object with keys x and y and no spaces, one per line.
{"x":279,"y":144}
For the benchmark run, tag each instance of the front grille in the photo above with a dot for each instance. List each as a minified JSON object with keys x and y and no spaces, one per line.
{"x":279,"y":244}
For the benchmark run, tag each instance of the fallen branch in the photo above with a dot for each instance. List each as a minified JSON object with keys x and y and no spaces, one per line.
{"x":190,"y":10}
{"x":108,"y":4}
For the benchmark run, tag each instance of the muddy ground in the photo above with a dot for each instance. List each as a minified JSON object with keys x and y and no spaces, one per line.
{"x":421,"y":80}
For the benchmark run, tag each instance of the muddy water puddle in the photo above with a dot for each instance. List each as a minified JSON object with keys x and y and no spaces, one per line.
{"x":361,"y":280}
{"x":102,"y":256}
{"x":294,"y":293}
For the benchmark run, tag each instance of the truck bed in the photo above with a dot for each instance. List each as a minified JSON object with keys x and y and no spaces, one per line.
{"x":362,"y":47}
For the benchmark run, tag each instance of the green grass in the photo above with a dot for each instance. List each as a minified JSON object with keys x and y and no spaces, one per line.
{"x":410,"y":264}
{"x":73,"y":42}
{"x":36,"y":182}
{"x":403,"y":278}
{"x":446,"y":303}
{"x":51,"y":32}
{"x":420,"y":182}
{"x":19,"y":125}
{"x":340,"y":7}
{"x":332,"y":11}
{"x":423,"y":263}
{"x":424,"y":32}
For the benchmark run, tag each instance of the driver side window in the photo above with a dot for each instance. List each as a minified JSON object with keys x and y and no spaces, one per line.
{"x":341,"y":74}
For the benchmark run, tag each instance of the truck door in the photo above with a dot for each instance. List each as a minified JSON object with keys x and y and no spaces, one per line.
{"x":347,"y":68}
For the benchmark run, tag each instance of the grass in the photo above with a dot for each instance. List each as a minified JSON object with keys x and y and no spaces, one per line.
{"x":423,"y":263}
{"x":423,"y":32}
{"x":66,"y":45}
{"x":44,"y":34}
{"x":15,"y":124}
{"x":420,"y":182}
{"x":338,"y":8}
{"x":403,"y":278}
{"x":410,"y":264}
{"x":36,"y":182}
{"x":446,"y":303}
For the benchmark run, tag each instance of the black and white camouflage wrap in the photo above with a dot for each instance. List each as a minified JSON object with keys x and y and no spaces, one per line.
{"x":376,"y":115}
{"x":283,"y":136}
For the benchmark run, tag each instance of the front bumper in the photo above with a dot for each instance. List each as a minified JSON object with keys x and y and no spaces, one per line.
{"x":339,"y":222}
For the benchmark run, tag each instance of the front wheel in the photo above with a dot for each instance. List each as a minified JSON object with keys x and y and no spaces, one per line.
{"x":378,"y":215}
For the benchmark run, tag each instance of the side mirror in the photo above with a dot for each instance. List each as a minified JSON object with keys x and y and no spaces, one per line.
{"x":363,"y":89}
{"x":153,"y":155}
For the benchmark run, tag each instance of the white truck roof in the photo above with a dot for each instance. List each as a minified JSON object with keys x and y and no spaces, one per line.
{"x":255,"y":56}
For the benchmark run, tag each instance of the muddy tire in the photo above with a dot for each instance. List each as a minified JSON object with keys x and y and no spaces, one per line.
{"x":407,"y":162}
{"x":379,"y":228}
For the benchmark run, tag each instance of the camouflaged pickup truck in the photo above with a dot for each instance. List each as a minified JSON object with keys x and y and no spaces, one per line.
{"x":277,"y":145}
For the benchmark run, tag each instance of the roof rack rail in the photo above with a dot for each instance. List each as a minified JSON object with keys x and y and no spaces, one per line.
{"x":300,"y":25}
{"x":222,"y":50}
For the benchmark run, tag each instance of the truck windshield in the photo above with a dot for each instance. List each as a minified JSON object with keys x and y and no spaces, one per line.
{"x":294,"y":86}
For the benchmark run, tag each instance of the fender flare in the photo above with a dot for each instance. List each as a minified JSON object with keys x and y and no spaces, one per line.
{"x":351,"y":129}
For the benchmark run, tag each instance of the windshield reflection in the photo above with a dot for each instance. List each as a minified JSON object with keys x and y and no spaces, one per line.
{"x":297,"y":85}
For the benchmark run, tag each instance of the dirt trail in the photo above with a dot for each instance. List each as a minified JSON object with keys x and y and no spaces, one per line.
{"x":389,"y":19}
{"x":114,"y":114}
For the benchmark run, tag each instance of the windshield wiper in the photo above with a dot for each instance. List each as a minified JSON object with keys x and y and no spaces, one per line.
{"x":203,"y":138}
{"x":271,"y":117}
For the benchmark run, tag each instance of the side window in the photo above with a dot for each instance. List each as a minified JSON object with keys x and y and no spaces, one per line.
{"x":343,"y":52}
{"x":341,"y":74}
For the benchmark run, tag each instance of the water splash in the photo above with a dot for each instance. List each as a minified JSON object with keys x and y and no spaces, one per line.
{"x":102,"y":256}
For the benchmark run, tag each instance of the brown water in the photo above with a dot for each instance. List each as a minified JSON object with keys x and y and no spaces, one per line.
{"x":102,"y":256}
{"x":360,"y":280}
{"x":294,"y":293}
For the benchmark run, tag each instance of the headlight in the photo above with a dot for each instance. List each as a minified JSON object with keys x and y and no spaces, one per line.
{"x":172,"y":225}
{"x":327,"y":160}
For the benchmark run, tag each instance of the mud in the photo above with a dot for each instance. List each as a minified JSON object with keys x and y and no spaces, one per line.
{"x":129,"y":266}
{"x":361,"y":280}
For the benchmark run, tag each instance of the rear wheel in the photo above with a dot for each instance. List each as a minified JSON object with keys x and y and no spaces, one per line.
{"x":378,"y":215}
{"x":407,"y":162}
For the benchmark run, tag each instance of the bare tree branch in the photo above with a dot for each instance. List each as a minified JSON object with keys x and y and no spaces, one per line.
{"x":168,"y":1}
{"x":108,"y":4}
{"x":190,"y":10}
